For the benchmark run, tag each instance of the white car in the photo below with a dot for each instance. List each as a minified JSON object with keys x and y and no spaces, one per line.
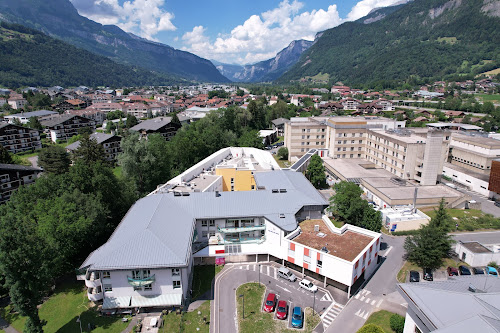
{"x":308,"y":285}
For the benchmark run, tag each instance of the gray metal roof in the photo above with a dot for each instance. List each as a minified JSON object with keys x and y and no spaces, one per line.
{"x":38,"y":113}
{"x":158,"y":230}
{"x":57,"y":120}
{"x":280,"y":121}
{"x":450,"y":303}
{"x":152,"y":124}
{"x":18,"y":167}
{"x":99,"y":137}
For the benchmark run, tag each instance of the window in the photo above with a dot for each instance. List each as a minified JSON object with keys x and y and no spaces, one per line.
{"x":176,"y":284}
{"x":176,"y":271}
{"x":106,"y":275}
{"x":136,"y":288}
{"x":148,"y":287}
{"x":108,"y":287}
{"x":136,"y":275}
{"x":211,"y":223}
{"x":204,"y":234}
{"x":146,"y":273}
{"x":204,"y":223}
{"x":320,"y":263}
{"x":253,"y":187}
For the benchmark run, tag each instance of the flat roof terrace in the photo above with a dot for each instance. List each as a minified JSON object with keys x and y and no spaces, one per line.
{"x":346,"y":246}
{"x":347,"y":168}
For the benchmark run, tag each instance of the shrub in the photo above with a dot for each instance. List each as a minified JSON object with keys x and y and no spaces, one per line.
{"x":397,"y":323}
{"x":371,"y":328}
{"x":493,"y":264}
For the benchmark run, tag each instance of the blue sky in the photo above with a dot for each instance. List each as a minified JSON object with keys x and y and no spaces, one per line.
{"x":231,"y":31}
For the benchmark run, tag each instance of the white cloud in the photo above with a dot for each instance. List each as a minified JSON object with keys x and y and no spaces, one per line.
{"x":261,"y":36}
{"x":143,"y":17}
{"x":363,"y":7}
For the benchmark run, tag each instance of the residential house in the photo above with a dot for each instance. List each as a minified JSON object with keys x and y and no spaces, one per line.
{"x":17,"y":102}
{"x":110,"y":143}
{"x":350,"y":104}
{"x":279,"y":125}
{"x":63,"y":127}
{"x":160,"y":125}
{"x":24,"y":117}
{"x":12,"y":176}
{"x":139,"y":110}
{"x":17,"y":139}
{"x":96,"y":115}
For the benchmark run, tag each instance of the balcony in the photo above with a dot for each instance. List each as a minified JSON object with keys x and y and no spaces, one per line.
{"x":92,"y":279}
{"x":141,"y":282}
{"x":245,"y":240}
{"x":241,"y":229}
{"x":95,"y":294}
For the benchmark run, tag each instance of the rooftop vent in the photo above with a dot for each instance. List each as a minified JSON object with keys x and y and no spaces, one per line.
{"x":282,"y":216}
{"x":282,"y":190}
{"x":324,"y":249}
{"x":275,"y":190}
{"x":217,"y":194}
{"x":321,"y":234}
{"x":472,"y":288}
{"x":316,"y":227}
{"x":177,"y":194}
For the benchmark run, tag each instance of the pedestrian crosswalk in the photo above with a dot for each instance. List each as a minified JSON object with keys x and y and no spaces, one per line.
{"x":330,"y":314}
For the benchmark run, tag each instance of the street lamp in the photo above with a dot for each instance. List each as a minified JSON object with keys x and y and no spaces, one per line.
{"x":79,"y":321}
{"x":314,"y":302}
{"x":259,"y":274}
{"x":243,"y":297}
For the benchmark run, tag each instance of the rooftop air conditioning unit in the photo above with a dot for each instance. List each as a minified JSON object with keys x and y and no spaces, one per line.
{"x":316,"y":227}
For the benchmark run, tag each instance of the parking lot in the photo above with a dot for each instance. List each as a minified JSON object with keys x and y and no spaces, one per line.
{"x":224,"y":307}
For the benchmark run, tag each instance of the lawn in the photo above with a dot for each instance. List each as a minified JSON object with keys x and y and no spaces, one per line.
{"x":258,"y":321}
{"x":469,"y":219}
{"x":282,"y":163}
{"x":62,"y":309}
{"x":490,"y":98}
{"x":381,"y":318}
{"x":117,"y":171}
{"x":336,"y":223}
{"x":403,"y":272}
{"x":202,"y":278}
{"x":190,"y":321}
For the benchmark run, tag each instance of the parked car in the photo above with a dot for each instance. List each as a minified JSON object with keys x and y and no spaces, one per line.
{"x":308,"y":285}
{"x":464,"y":270}
{"x":297,"y":317}
{"x":452,"y":271}
{"x":414,"y":276}
{"x":286,"y":274}
{"x":477,"y":270}
{"x":497,"y":203}
{"x":428,"y":276}
{"x":282,"y":310}
{"x":270,"y":302}
{"x":491,"y":270}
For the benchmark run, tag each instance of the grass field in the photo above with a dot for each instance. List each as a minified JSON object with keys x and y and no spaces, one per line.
{"x":62,"y":310}
{"x":282,"y":163}
{"x":258,"y":321}
{"x":381,"y":318}
{"x":117,"y":171}
{"x":318,"y":78}
{"x":490,"y":98}
{"x":202,"y":278}
{"x":448,"y":40}
{"x":469,"y":219}
{"x":190,"y":321}
{"x":492,"y":72}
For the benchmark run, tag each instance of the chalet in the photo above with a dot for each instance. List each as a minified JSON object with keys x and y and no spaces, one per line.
{"x":96,"y":115}
{"x":368,"y":108}
{"x":160,"y":125}
{"x":17,"y":102}
{"x":71,"y":104}
{"x":110,"y":143}
{"x":385,"y":104}
{"x":273,"y":100}
{"x":12,"y":176}
{"x":17,"y":139}
{"x":420,"y":119}
{"x":63,"y":127}
{"x":451,"y":114}
{"x":350,"y":104}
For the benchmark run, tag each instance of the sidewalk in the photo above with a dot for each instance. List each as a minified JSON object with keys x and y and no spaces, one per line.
{"x":6,"y":327}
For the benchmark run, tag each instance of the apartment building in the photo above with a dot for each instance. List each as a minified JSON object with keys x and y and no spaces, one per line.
{"x":138,"y":109}
{"x":161,"y":125}
{"x":474,"y":153}
{"x":63,"y":127}
{"x":24,"y":117}
{"x":196,"y":218}
{"x":17,"y":139}
{"x":110,"y":143}
{"x":339,"y":137}
{"x":409,"y":155}
{"x":12,"y":176}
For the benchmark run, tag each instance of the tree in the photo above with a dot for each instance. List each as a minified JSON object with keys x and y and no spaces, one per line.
{"x":54,"y":159}
{"x":240,"y":92}
{"x":34,"y":123}
{"x":371,"y":328}
{"x":175,"y":120}
{"x":251,"y":139}
{"x":89,"y":151}
{"x":347,"y":206}
{"x":316,"y":172}
{"x":85,"y":130}
{"x":397,"y":323}
{"x":5,"y":157}
{"x":283,"y":153}
{"x":432,"y":243}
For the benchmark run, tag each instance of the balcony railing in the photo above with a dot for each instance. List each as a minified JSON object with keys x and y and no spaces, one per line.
{"x":141,"y":282}
{"x":246,"y":240}
{"x":241,"y":229}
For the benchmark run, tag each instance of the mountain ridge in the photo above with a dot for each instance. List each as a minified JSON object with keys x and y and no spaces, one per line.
{"x":60,"y":19}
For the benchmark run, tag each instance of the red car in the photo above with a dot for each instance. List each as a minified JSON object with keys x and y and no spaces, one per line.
{"x":270,"y":302}
{"x":282,"y":311}
{"x":452,"y":271}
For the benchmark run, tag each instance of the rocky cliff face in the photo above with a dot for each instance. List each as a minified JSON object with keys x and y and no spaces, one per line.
{"x":60,"y":19}
{"x":266,"y":70}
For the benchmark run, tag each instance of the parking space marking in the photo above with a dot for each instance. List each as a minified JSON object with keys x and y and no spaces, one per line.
{"x":388,"y":250}
{"x":326,"y":298}
{"x":379,"y":302}
{"x":253,"y":268}
{"x":275,"y":273}
{"x":288,"y":291}
{"x":374,"y":301}
{"x":367,"y":301}
{"x":357,"y":296}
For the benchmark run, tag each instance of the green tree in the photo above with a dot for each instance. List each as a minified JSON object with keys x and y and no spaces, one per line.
{"x":240,"y":92}
{"x":371,"y":328}
{"x":54,"y":159}
{"x":283,"y":153}
{"x":85,"y":130}
{"x":34,"y":123}
{"x":397,"y":323}
{"x":251,"y":138}
{"x":175,"y":119}
{"x":488,"y":107}
{"x":316,"y":172}
{"x":5,"y":157}
{"x":89,"y":151}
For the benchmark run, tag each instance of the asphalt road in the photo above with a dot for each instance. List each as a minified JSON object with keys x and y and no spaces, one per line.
{"x":378,"y":293}
{"x":223,"y":312}
{"x":483,"y":237}
{"x":487,"y":206}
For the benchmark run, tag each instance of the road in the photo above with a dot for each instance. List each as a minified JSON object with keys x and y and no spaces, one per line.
{"x":378,"y":293}
{"x":223,"y":312}
{"x":418,"y":108}
{"x":487,"y":206}
{"x":483,"y":237}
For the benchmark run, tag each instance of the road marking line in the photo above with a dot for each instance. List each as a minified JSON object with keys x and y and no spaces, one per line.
{"x":373,"y":302}
{"x":268,"y":271}
{"x":247,"y":267}
{"x":367,"y":300}
{"x":367,"y":292}
{"x":388,"y":250}
{"x":326,"y":298}
{"x":357,"y":296}
{"x":253,"y":268}
{"x":241,"y":267}
{"x":288,"y":291}
{"x":362,"y":299}
{"x":275,"y":273}
{"x":379,"y":302}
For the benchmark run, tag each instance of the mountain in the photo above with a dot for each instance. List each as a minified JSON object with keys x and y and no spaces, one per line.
{"x":422,"y":40}
{"x":377,"y":14}
{"x":60,"y":19}
{"x":30,"y":58}
{"x":267,"y":70}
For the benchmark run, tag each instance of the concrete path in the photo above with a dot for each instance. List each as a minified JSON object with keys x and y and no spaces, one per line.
{"x":4,"y":325}
{"x":34,"y":161}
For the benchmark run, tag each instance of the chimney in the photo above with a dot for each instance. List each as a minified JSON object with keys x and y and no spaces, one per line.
{"x":415,"y":200}
{"x":217,"y":194}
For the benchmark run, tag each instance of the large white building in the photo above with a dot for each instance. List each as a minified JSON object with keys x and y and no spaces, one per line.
{"x":236,"y":205}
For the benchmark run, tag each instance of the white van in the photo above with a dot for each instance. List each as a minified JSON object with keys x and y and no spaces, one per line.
{"x":453,"y":186}
{"x":286,"y":274}
{"x":308,"y":285}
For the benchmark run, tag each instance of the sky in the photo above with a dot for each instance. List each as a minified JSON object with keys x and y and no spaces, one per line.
{"x":230,"y":31}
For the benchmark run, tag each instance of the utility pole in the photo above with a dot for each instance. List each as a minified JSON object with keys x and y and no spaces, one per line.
{"x":314,"y":302}
{"x":243,"y":297}
{"x":259,"y":274}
